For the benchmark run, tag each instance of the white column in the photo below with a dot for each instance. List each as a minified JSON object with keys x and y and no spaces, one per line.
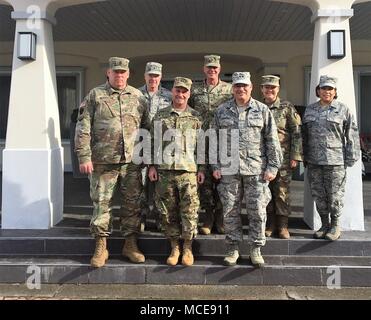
{"x":33,"y":156}
{"x":334,"y":15}
{"x":336,"y":19}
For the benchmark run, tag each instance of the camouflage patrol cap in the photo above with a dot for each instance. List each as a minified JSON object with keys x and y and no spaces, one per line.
{"x":270,"y":80}
{"x":153,"y":68}
{"x":241,"y":77}
{"x":212,"y":61}
{"x":326,"y":81}
{"x":117,"y":63}
{"x":182,"y":82}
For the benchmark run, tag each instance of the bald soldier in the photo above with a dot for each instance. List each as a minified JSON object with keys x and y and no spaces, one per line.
{"x":289,"y":133}
{"x":205,"y":98}
{"x":157,"y":98}
{"x":104,"y":142}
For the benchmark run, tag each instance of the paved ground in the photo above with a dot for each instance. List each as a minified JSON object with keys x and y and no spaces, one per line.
{"x":180,"y":292}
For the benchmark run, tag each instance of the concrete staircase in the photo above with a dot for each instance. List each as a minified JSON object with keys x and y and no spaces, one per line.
{"x":62,"y":254}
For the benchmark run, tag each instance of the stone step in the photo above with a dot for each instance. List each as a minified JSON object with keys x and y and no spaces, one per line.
{"x":80,"y":243}
{"x":279,"y":270}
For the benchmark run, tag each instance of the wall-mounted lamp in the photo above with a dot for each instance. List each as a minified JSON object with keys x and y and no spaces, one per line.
{"x":336,"y":44}
{"x":26,"y":46}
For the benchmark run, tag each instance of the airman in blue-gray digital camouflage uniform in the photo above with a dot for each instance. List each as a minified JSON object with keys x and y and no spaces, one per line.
{"x":253,"y":157}
{"x":330,"y":145}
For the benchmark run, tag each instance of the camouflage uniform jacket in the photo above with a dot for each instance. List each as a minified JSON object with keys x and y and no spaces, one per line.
{"x":206,"y":99}
{"x":161,"y":99}
{"x":176,"y":152}
{"x":107,"y":123}
{"x":330,"y":135}
{"x":258,"y":145}
{"x":288,"y":124}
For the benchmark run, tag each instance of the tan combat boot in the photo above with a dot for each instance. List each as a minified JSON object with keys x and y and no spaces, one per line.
{"x":187,"y":258}
{"x":282,"y":227}
{"x":270,"y":225}
{"x":231,"y":256}
{"x":208,"y":223}
{"x":172,"y":260}
{"x":256,"y":257}
{"x":334,"y":232}
{"x":101,"y":253}
{"x":131,"y":251}
{"x":321,"y":233}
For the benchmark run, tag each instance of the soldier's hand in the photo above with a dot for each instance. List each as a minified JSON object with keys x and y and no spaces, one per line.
{"x":200,"y":177}
{"x":293,"y":163}
{"x":152,"y":174}
{"x":217,"y":174}
{"x":86,"y":167}
{"x":269,"y":176}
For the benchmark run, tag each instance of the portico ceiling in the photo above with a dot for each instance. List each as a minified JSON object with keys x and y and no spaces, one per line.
{"x":188,"y":20}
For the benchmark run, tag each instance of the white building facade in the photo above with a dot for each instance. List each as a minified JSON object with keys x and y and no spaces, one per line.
{"x":74,"y":40}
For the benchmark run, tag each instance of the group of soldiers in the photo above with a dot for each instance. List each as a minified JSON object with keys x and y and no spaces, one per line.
{"x":250,"y":152}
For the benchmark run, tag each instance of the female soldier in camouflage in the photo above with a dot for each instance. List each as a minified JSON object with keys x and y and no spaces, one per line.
{"x":330,"y":145}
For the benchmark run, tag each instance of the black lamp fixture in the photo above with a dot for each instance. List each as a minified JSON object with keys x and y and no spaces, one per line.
{"x":26,"y":46}
{"x":336,"y":44}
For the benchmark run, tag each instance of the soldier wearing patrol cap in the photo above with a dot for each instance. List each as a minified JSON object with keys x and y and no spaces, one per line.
{"x":104,"y":142}
{"x":157,"y":98}
{"x":330,"y":145}
{"x":251,"y":167}
{"x":176,"y":171}
{"x":289,"y":133}
{"x":205,"y":98}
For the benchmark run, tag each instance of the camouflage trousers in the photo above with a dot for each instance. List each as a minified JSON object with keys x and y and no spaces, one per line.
{"x":257,"y":195}
{"x":327,"y":184}
{"x":208,"y":193}
{"x":178,"y":203}
{"x":104,"y":181}
{"x":280,"y":190}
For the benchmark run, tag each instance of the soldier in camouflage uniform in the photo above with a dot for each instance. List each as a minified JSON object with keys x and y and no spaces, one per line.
{"x":289,"y":133}
{"x":176,"y":171}
{"x":157,"y":98}
{"x":250,"y":125}
{"x":104,"y":142}
{"x":205,"y":98}
{"x":255,"y":162}
{"x":330,"y":145}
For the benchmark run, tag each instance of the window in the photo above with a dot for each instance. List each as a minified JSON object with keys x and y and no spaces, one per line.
{"x":69,"y":85}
